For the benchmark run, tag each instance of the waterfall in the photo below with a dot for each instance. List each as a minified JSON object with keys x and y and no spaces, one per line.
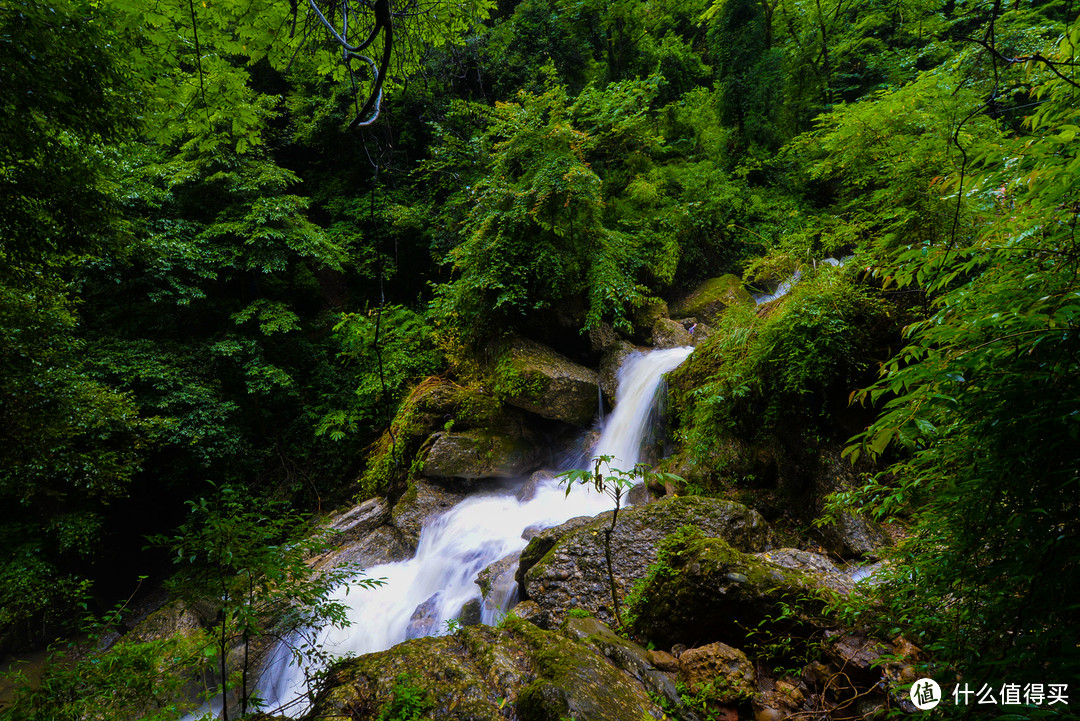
{"x":788,"y":283}
{"x":420,"y":594}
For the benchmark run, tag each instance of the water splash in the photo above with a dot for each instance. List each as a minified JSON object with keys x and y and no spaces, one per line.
{"x":420,"y":594}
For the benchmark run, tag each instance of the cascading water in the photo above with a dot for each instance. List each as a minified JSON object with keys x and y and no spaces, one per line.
{"x":420,"y":594}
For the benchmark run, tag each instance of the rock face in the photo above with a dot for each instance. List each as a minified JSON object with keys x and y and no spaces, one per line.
{"x":708,"y":590}
{"x":480,"y":454}
{"x":385,"y":544}
{"x":423,"y":501}
{"x":853,"y":536}
{"x":565,"y":567}
{"x":537,"y":379}
{"x":708,"y":300}
{"x":487,"y":674}
{"x":609,"y":368}
{"x":667,"y":333}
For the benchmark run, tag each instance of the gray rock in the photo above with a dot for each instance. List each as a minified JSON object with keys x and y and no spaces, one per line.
{"x":386,"y":544}
{"x":424,"y":618}
{"x":609,"y":369}
{"x":421,"y":503}
{"x":497,"y":584}
{"x":824,"y":572}
{"x":529,"y":488}
{"x":480,"y":454}
{"x":855,"y":537}
{"x":565,"y":567}
{"x":535,"y":378}
{"x":667,"y":333}
{"x":352,"y":524}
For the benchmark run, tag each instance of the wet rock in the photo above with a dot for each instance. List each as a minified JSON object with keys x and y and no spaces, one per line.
{"x":708,"y":300}
{"x":855,"y":537}
{"x":667,"y":333}
{"x":354,"y":523}
{"x":487,"y":674}
{"x":470,"y":614}
{"x":385,"y":544}
{"x":535,"y":378}
{"x":497,"y":584}
{"x":425,"y":618}
{"x":645,"y":317}
{"x":480,"y":454}
{"x":602,"y":337}
{"x":718,"y":673}
{"x":423,"y":502}
{"x":631,"y":658}
{"x":543,"y":541}
{"x":609,"y":369}
{"x":566,"y":568}
{"x":709,"y":591}
{"x":528,"y":490}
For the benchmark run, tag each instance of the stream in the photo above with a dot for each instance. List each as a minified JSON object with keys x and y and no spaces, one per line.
{"x":421,"y":594}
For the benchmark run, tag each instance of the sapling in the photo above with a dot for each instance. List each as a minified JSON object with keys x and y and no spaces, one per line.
{"x":615,"y":483}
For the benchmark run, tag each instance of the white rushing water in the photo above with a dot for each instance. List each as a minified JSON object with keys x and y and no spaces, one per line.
{"x":785,"y":287}
{"x":480,"y":530}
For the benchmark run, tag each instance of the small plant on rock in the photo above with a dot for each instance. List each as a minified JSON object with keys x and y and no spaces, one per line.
{"x":615,"y":483}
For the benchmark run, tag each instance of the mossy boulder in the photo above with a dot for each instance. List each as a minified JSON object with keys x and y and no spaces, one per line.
{"x":718,"y":673}
{"x":703,"y":589}
{"x":667,"y":333}
{"x":535,"y":378}
{"x":708,"y":300}
{"x":480,"y":453}
{"x":565,"y":567}
{"x":479,"y":673}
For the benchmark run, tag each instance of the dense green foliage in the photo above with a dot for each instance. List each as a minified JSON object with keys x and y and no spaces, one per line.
{"x":205,"y":276}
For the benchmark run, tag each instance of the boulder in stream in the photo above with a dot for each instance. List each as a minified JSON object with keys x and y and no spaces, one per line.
{"x":565,"y":567}
{"x":423,"y":502}
{"x":480,"y":453}
{"x":483,"y":673}
{"x":535,"y":378}
{"x":610,"y":363}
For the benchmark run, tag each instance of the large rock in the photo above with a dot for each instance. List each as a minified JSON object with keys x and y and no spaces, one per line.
{"x":708,"y":300}
{"x":423,"y":502}
{"x":498,"y":585}
{"x":565,"y":567}
{"x":480,"y":453}
{"x":385,"y":544}
{"x":855,"y":537}
{"x":703,"y":589}
{"x":535,"y":378}
{"x":487,"y":674}
{"x":631,"y":658}
{"x":610,"y":364}
{"x":667,"y":333}
{"x":356,"y":522}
